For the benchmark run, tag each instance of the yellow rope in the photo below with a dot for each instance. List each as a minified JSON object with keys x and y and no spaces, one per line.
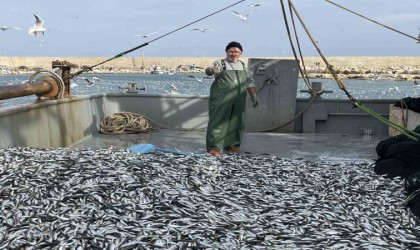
{"x":125,"y":123}
{"x":404,"y":113}
{"x":411,"y":134}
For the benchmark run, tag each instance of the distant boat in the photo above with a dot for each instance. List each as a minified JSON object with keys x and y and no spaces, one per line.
{"x":158,"y":70}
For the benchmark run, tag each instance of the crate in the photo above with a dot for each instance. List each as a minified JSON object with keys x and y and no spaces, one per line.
{"x":403,"y":117}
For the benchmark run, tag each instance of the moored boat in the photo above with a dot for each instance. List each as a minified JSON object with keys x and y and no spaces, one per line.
{"x":71,"y":119}
{"x":304,"y":178}
{"x":158,"y":71}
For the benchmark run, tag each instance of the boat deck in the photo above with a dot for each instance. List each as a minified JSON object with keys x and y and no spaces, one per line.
{"x":310,"y":147}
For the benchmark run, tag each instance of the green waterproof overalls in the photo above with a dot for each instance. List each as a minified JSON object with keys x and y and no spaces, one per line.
{"x":226,"y":109}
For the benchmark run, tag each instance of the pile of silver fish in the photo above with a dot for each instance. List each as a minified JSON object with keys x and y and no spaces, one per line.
{"x":65,"y":198}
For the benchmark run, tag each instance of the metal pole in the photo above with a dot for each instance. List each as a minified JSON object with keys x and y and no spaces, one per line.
{"x":31,"y":88}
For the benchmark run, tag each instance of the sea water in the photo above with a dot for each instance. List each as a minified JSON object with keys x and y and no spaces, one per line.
{"x":184,"y":84}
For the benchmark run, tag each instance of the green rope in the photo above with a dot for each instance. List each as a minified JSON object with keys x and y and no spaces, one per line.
{"x":409,"y":133}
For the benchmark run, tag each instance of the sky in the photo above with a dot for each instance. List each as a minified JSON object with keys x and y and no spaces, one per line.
{"x":105,"y":28}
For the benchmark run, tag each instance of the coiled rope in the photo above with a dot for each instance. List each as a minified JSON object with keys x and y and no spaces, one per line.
{"x":125,"y":123}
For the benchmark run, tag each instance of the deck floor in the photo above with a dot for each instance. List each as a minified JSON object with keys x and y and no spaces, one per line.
{"x":311,"y":147}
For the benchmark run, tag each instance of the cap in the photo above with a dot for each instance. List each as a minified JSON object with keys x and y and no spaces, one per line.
{"x":234,"y":45}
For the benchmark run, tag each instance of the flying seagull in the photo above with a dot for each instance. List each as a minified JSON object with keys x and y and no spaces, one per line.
{"x":4,"y":28}
{"x":73,"y":83}
{"x":200,"y":79}
{"x":174,"y":89}
{"x":203,"y":30}
{"x":185,"y":66}
{"x":38,"y":26}
{"x":147,"y":35}
{"x":188,"y":66}
{"x":90,"y":82}
{"x":243,"y":17}
{"x":255,"y":4}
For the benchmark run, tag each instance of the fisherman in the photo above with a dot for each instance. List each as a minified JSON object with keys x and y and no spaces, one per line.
{"x":227,"y":101}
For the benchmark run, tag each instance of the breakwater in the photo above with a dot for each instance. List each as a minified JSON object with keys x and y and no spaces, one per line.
{"x":168,"y":62}
{"x":402,"y":68}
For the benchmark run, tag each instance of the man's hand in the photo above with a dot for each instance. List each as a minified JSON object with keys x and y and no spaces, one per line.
{"x":254,"y":101}
{"x":216,"y":69}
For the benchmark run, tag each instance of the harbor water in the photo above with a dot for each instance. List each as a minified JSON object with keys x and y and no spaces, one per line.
{"x":184,"y":84}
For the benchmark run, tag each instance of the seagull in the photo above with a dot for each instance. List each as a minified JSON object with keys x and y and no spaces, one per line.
{"x":255,"y":4}
{"x":394,"y":89}
{"x":382,"y":77}
{"x":73,"y":84}
{"x":4,"y":28}
{"x":97,"y":79}
{"x":203,"y":30}
{"x":243,"y":17}
{"x":172,"y":71}
{"x":147,"y":35}
{"x":377,"y":77}
{"x":90,"y":82}
{"x":174,"y":89}
{"x":188,"y":67}
{"x":38,"y":26}
{"x":200,"y":79}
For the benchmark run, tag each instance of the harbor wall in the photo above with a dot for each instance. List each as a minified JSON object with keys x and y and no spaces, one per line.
{"x":172,"y":62}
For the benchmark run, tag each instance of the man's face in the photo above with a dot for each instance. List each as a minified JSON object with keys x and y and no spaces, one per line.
{"x":233,"y":54}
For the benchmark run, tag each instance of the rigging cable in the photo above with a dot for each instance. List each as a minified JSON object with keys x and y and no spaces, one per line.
{"x":409,"y":133}
{"x":303,"y":71}
{"x":147,"y":43}
{"x":305,"y":77}
{"x":415,"y":38}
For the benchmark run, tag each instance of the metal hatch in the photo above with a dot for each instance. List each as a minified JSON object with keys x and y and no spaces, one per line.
{"x":276,"y":84}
